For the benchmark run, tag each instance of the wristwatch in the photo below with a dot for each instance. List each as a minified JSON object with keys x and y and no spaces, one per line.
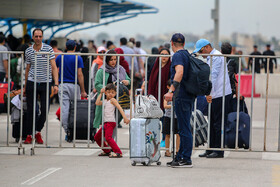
{"x":170,"y":91}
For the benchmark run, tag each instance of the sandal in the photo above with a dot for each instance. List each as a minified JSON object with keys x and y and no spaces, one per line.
{"x":104,"y":154}
{"x":115,"y":155}
{"x":167,"y":154}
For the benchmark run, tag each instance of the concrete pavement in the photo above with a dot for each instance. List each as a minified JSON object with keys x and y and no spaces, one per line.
{"x":80,"y":166}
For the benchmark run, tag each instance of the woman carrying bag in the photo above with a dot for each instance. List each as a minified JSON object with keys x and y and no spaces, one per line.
{"x":111,"y":71}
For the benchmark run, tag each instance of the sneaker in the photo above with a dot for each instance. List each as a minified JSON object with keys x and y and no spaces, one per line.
{"x":28,"y":139}
{"x":182,"y":164}
{"x":170,"y":163}
{"x":39,"y":139}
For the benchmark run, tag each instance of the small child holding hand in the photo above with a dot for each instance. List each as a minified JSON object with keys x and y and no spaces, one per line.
{"x":110,"y":104}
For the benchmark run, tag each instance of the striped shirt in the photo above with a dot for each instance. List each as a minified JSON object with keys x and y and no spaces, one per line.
{"x":42,"y":63}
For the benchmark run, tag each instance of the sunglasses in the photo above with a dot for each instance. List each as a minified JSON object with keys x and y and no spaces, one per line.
{"x":164,"y":54}
{"x":101,"y":52}
{"x":200,"y":51}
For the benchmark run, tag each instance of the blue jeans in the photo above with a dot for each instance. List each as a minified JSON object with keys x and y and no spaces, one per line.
{"x":183,"y":109}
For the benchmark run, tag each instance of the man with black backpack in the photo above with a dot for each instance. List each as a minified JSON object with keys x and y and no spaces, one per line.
{"x":203,"y":46}
{"x":183,"y":101}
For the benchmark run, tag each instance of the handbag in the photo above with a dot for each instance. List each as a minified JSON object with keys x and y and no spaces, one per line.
{"x":124,"y":99}
{"x":147,"y":107}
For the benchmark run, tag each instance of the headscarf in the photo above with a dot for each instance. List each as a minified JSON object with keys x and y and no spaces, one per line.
{"x":98,"y":60}
{"x":123,"y":62}
{"x":153,"y":80}
{"x":113,"y":70}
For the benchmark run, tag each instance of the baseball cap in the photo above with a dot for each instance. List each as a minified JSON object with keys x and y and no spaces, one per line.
{"x":70,"y":44}
{"x":199,"y":44}
{"x":178,"y":38}
{"x":101,"y":48}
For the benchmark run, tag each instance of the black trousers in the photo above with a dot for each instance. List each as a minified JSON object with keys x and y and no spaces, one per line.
{"x":216,"y":121}
{"x":270,"y":67}
{"x":41,"y":92}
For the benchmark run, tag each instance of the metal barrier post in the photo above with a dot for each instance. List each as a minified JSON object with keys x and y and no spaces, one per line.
{"x":209,"y":107}
{"x":172,"y":130}
{"x":252,"y":101}
{"x":159,"y":81}
{"x":279,"y":131}
{"x":103,"y":99}
{"x":238,"y":104}
{"x":266,"y":98}
{"x":34,"y":106}
{"x":223,"y":105}
{"x":47,"y":98}
{"x":89,"y":99}
{"x":118,"y":89}
{"x":194,"y":122}
{"x":9,"y":88}
{"x":146,"y":76}
{"x":21,"y":108}
{"x":132,"y":79}
{"x":75,"y":101}
{"x":61,"y":99}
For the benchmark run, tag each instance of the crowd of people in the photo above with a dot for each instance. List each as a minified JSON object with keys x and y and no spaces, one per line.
{"x":173,"y":71}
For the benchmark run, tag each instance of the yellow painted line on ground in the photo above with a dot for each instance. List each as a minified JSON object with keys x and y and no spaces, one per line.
{"x":276,"y":175}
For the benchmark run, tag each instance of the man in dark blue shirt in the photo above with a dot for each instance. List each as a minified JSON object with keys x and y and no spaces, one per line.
{"x":183,"y":101}
{"x":68,"y":88}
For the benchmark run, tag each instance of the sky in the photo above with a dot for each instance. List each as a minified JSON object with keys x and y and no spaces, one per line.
{"x":194,"y":16}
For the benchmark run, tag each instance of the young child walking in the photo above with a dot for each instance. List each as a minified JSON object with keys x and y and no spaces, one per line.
{"x":166,"y":125}
{"x":110,"y":104}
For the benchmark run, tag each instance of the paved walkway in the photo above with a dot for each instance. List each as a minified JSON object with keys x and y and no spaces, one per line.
{"x":68,"y":166}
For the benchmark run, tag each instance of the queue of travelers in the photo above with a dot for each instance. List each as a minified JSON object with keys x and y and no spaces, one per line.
{"x":173,"y":71}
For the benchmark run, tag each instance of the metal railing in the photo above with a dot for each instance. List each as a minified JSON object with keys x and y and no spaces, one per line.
{"x":33,"y":146}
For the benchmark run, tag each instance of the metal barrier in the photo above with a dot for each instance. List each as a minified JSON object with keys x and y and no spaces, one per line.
{"x":20,"y":144}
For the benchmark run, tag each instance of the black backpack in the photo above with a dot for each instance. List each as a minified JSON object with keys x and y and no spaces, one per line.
{"x":198,"y":82}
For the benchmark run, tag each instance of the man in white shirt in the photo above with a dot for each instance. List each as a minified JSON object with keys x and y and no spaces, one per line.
{"x":203,"y":46}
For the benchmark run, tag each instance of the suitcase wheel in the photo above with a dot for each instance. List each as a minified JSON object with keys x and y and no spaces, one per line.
{"x":158,"y":163}
{"x":133,"y":163}
{"x":147,"y":163}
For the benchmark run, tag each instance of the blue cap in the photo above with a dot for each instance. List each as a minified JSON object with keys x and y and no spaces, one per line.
{"x":178,"y":38}
{"x":70,"y":44}
{"x":199,"y":44}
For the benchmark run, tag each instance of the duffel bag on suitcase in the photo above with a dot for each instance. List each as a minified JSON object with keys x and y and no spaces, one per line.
{"x":243,"y":131}
{"x":144,"y":141}
{"x":201,"y":128}
{"x":147,"y":107}
{"x":81,"y":120}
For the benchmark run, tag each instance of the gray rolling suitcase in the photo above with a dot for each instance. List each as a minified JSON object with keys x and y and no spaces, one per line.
{"x":144,"y":141}
{"x":201,"y":128}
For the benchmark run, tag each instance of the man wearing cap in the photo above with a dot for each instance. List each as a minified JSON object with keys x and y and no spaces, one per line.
{"x":257,"y":60}
{"x":68,"y":88}
{"x":203,"y":46}
{"x":183,"y":101}
{"x":269,"y":52}
{"x":42,"y":61}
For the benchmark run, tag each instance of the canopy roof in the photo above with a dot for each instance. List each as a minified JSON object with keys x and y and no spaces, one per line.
{"x":110,"y":11}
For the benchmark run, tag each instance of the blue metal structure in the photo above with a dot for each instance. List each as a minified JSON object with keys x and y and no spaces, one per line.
{"x":111,"y":11}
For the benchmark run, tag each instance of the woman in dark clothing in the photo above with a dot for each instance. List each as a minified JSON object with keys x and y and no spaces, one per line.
{"x":86,"y":68}
{"x":152,"y":60}
{"x":153,"y":76}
